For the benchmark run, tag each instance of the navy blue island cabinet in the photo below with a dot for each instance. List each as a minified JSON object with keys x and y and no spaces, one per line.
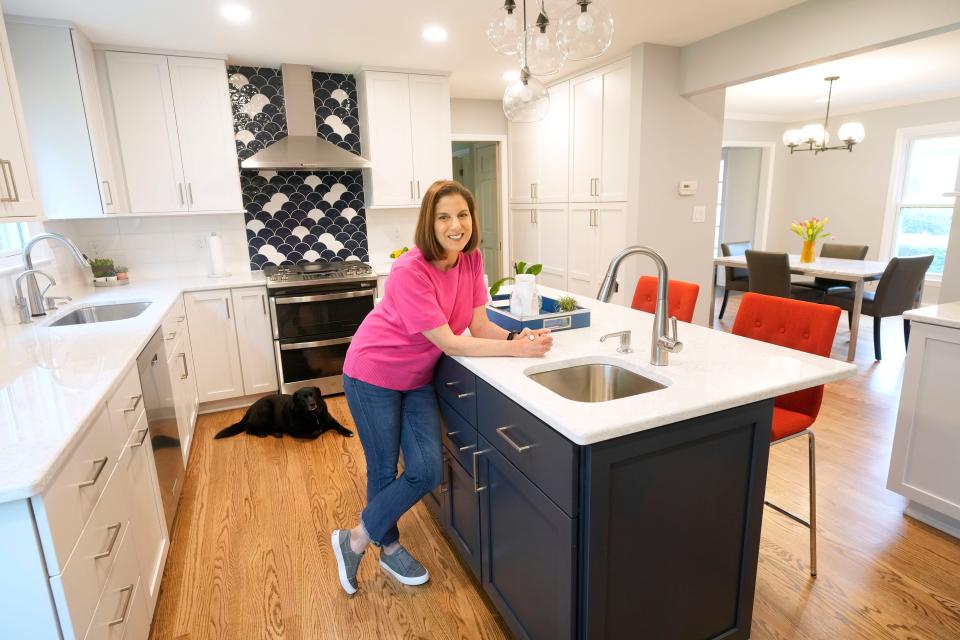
{"x":651,"y":535}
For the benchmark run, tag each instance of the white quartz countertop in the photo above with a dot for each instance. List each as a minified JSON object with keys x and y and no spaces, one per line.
{"x":715,"y":371}
{"x":53,"y":380}
{"x":945,"y":315}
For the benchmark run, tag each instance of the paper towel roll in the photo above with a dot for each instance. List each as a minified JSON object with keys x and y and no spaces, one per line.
{"x":217,"y":269}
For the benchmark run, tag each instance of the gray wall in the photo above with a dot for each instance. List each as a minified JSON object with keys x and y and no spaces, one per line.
{"x":741,"y":185}
{"x":477,"y":117}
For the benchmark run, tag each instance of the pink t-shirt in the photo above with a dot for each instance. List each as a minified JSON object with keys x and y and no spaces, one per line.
{"x":389,"y":349}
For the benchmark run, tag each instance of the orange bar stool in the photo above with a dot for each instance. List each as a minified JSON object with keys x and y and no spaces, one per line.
{"x":681,"y":297}
{"x":805,"y":326}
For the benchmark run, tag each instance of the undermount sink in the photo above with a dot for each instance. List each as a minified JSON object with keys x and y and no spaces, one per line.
{"x":595,"y":382}
{"x":90,"y":313}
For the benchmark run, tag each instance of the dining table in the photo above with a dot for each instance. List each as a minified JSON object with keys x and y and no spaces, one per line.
{"x":857,"y":272}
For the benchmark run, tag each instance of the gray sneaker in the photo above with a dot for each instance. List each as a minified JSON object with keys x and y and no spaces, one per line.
{"x":347,"y":560}
{"x":404,"y":567}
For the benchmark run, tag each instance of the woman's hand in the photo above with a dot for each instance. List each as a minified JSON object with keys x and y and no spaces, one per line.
{"x":532,"y":343}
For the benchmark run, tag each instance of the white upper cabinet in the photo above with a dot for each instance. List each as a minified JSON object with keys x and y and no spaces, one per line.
{"x":524,"y":160}
{"x":18,"y":191}
{"x":554,"y":148}
{"x":586,"y":131}
{"x":173,"y":122}
{"x":615,"y":151}
{"x":405,"y":132}
{"x":255,"y":338}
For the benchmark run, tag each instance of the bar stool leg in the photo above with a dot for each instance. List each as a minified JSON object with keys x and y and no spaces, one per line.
{"x":812,"y":452}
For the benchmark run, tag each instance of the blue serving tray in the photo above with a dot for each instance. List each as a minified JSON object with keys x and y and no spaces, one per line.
{"x":548,"y":318}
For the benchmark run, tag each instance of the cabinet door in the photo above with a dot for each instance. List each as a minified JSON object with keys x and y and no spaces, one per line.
{"x":189,"y":394}
{"x":255,"y":339}
{"x":586,"y":115}
{"x":177,"y":366}
{"x":553,"y":147}
{"x":611,"y":234}
{"x":430,"y":126}
{"x":17,"y":181}
{"x":524,"y":160}
{"x":388,"y":130}
{"x":524,"y":241}
{"x":147,"y":130}
{"x":461,"y":514}
{"x":215,"y":350}
{"x":528,"y":551}
{"x":146,"y":517}
{"x":582,"y":253}
{"x":205,"y":126}
{"x":552,"y":233}
{"x":616,"y":139}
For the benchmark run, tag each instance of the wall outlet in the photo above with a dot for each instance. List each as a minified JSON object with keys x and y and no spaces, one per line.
{"x":201,"y":242}
{"x":699,"y":214}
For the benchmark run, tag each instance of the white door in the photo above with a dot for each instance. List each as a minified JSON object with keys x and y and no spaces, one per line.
{"x":523,"y":236}
{"x":586,"y":115}
{"x":18,"y":194}
{"x":146,"y":517}
{"x":612,"y":185}
{"x":611,"y":227}
{"x":553,"y":147}
{"x":205,"y":125}
{"x":96,"y":124}
{"x":216,"y":354}
{"x":524,"y":159}
{"x":552,"y":231}
{"x":487,"y":194}
{"x":582,"y":253}
{"x":255,"y":339}
{"x":390,"y":135}
{"x":430,"y":130}
{"x":147,"y":130}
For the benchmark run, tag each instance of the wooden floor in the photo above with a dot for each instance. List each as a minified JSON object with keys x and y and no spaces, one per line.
{"x":250,"y":556}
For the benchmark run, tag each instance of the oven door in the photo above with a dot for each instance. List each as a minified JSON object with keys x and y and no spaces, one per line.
{"x":321,"y":315}
{"x":318,"y":363}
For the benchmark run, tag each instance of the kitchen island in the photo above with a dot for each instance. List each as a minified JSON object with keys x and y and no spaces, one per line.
{"x":635,"y":517}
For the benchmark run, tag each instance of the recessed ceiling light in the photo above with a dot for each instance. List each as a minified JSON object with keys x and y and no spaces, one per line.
{"x":435,"y":34}
{"x":235,"y":12}
{"x":511,"y":76}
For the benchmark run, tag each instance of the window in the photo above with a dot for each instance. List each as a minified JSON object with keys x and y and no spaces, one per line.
{"x":923,"y":212}
{"x":12,"y":238}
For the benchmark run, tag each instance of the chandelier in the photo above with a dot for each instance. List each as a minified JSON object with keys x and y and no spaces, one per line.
{"x":817,"y":137}
{"x":584,"y":31}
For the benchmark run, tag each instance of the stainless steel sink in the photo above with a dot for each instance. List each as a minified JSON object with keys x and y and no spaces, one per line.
{"x":90,"y":313}
{"x":595,"y":382}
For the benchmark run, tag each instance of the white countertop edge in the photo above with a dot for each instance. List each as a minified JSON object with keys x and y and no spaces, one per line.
{"x":944,"y":315}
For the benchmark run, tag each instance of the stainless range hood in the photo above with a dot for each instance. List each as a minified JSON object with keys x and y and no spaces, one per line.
{"x":302,"y":149}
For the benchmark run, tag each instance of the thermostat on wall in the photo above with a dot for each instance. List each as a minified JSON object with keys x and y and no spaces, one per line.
{"x":687,"y":188}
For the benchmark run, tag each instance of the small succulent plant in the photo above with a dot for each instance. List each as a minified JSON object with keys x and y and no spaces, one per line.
{"x":102,"y":267}
{"x":566,"y":303}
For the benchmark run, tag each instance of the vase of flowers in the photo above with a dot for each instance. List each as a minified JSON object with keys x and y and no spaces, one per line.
{"x":809,"y":230}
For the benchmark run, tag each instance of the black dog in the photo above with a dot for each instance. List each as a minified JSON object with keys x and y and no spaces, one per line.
{"x":302,"y":415}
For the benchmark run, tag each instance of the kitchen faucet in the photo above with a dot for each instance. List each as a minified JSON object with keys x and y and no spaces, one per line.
{"x":33,"y":301}
{"x":661,"y":343}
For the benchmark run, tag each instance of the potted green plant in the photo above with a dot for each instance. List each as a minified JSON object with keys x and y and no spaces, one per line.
{"x":102,"y":269}
{"x":519,"y":268}
{"x":122,"y":273}
{"x":566,"y":303}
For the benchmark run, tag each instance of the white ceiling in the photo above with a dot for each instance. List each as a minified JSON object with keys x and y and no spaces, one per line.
{"x":917,"y":71}
{"x":342,"y":35}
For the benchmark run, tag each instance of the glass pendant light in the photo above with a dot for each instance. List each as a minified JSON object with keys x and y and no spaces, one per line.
{"x":505,"y":28}
{"x":585,"y":30}
{"x":544,"y":57}
{"x":526,"y":100}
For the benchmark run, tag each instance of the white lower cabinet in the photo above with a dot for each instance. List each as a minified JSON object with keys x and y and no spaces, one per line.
{"x":597,"y":232}
{"x":255,"y":339}
{"x":539,"y":234}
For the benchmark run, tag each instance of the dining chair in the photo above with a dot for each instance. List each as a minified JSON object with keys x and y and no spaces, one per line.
{"x":769,"y":274}
{"x":835,"y":250}
{"x":681,"y":297}
{"x":804,"y":326}
{"x":734,"y":279}
{"x":898,"y":290}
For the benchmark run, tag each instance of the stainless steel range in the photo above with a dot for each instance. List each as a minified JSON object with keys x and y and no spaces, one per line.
{"x":315,"y":309}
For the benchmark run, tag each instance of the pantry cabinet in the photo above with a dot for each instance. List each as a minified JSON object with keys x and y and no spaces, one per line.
{"x":597,"y":233}
{"x":539,"y":153}
{"x":175,"y":132}
{"x":540,"y":236}
{"x":405,"y":132}
{"x":19,"y":197}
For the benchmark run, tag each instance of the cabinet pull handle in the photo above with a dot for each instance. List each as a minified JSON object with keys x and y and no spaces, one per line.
{"x":451,"y":384}
{"x":467,"y":448}
{"x":171,"y":335}
{"x":418,"y":189}
{"x":143,"y":437}
{"x":106,"y":184}
{"x":263,"y":303}
{"x":101,"y":465}
{"x":13,"y":195}
{"x":190,"y":193}
{"x":531,"y":191}
{"x":445,"y":480}
{"x":136,"y":403}
{"x":181,"y":318}
{"x":180,"y":192}
{"x":126,"y":606}
{"x":411,"y":189}
{"x":502,"y":432}
{"x":476,"y":471}
{"x":531,"y":216}
{"x":113,"y":541}
{"x":536,"y":190}
{"x":226,"y":302}
{"x":186,"y":374}
{"x":462,"y":396}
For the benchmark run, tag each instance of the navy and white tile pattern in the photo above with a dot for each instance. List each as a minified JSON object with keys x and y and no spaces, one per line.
{"x":298,"y":216}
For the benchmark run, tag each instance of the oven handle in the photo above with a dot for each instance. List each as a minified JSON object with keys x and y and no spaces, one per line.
{"x":372,"y":293}
{"x":317,"y":343}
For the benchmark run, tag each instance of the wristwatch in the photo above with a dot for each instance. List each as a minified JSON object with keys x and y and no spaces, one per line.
{"x":511,"y":335}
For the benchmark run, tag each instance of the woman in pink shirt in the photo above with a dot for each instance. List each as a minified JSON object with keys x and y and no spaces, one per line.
{"x":434,"y":293}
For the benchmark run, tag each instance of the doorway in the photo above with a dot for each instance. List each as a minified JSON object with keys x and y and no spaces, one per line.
{"x":476,"y":164}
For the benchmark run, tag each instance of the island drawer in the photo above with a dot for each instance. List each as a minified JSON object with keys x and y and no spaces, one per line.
{"x":459,"y":436}
{"x":547,"y":458}
{"x":458,"y":386}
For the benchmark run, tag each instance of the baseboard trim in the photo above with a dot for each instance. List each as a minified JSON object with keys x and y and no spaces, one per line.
{"x":935,"y":519}
{"x":231,"y":403}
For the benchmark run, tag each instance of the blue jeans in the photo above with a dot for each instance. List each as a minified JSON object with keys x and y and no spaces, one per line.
{"x":389,"y":421}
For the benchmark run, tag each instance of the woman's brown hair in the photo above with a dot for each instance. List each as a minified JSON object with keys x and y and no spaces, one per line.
{"x":425,"y":237}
